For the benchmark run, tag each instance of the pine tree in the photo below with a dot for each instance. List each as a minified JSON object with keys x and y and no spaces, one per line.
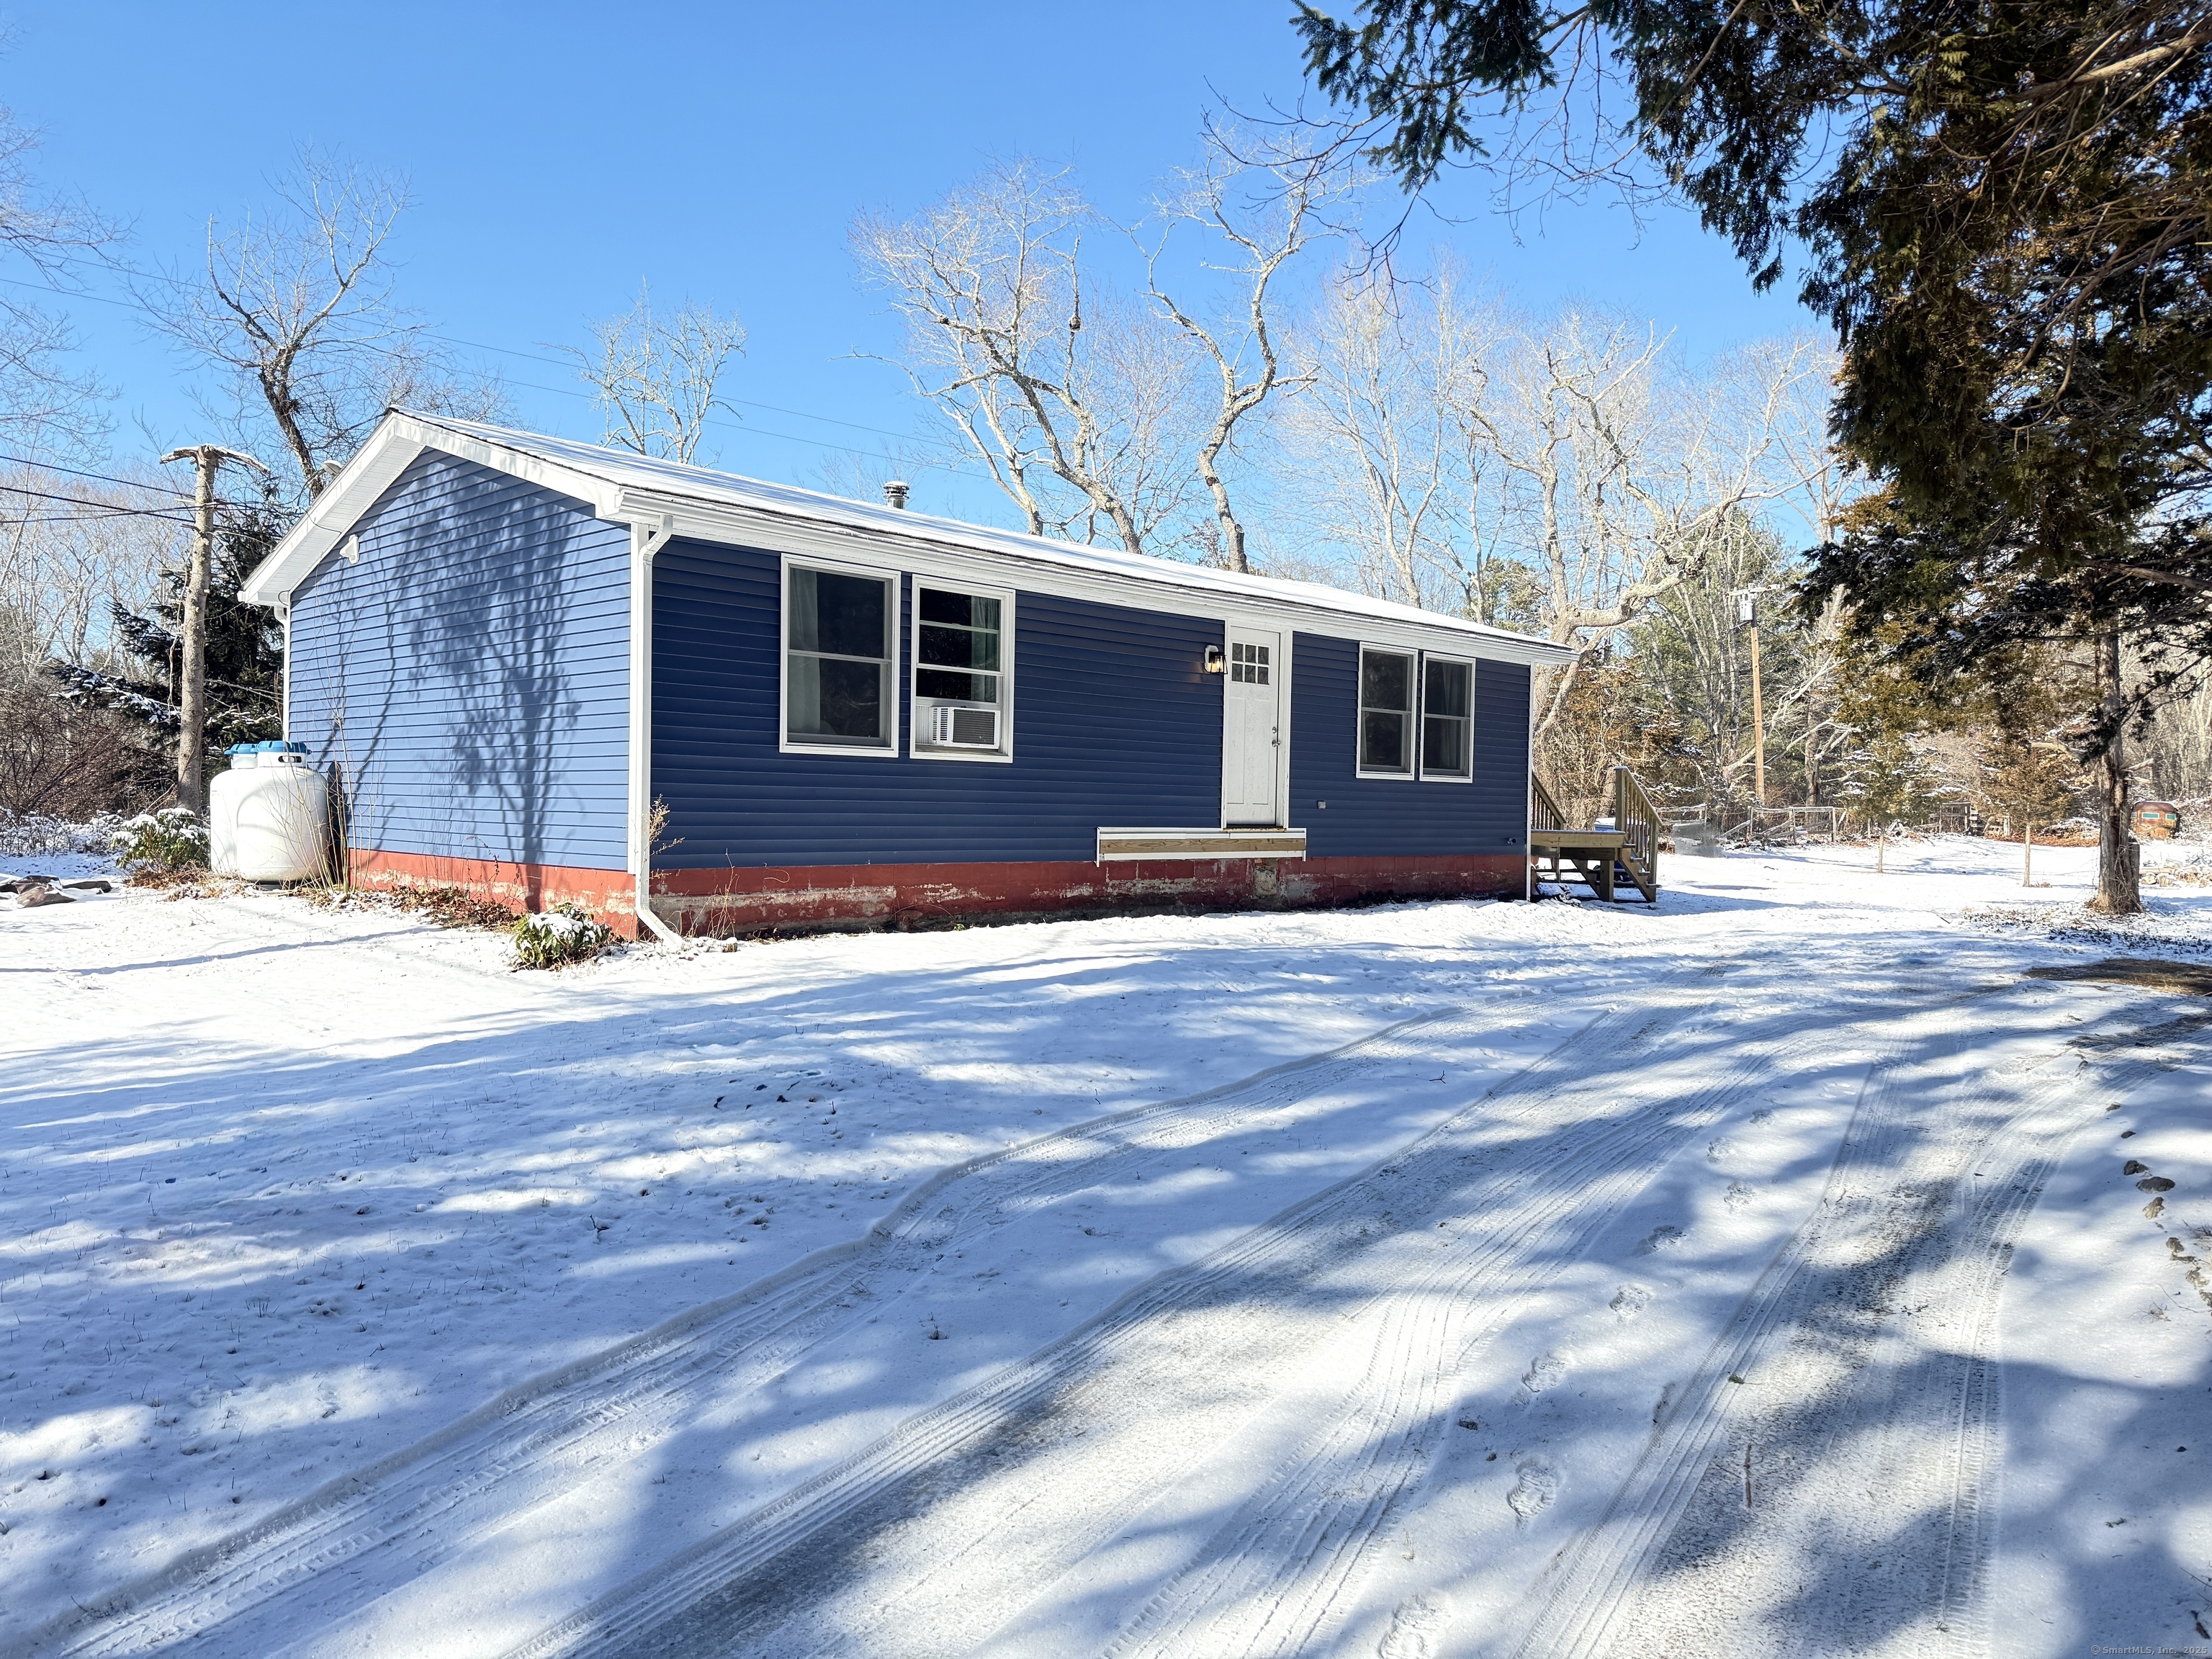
{"x":1887,"y":781}
{"x":2007,"y":213}
{"x":245,"y":647}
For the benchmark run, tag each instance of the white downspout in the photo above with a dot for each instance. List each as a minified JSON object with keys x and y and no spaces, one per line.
{"x":1528,"y":797}
{"x":645,"y":541}
{"x":284,"y":680}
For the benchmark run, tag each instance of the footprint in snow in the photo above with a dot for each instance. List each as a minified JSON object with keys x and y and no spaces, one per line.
{"x":1630,"y":1300}
{"x":1545,"y":1372}
{"x":1737,"y":1196}
{"x":1659,"y":1238}
{"x":1535,"y":1487}
{"x":1717,"y":1149}
{"x":1411,"y":1626}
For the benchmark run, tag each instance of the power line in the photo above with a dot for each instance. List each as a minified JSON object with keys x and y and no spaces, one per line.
{"x":105,"y":508}
{"x":103,"y":477}
{"x":747,"y":429}
{"x":57,"y":517}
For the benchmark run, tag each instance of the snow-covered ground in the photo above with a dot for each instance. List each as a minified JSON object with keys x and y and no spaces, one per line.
{"x":1761,"y":1274}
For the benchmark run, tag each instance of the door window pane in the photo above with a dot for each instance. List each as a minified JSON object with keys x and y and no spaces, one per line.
{"x":1447,"y":719}
{"x":838,"y":667}
{"x":1386,"y":686}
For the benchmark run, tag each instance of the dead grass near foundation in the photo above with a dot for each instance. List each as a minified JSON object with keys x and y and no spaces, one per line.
{"x":447,"y":906}
{"x":189,"y":881}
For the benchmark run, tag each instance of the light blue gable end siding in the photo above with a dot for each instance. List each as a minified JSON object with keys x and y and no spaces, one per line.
{"x":469,"y":677}
{"x":1380,"y":816}
{"x":1115,"y":722}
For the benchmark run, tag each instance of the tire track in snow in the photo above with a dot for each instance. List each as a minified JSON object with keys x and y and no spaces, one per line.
{"x":1269,"y":1582}
{"x":1837,"y":1498}
{"x":340,"y":1547}
{"x":910,"y":1546}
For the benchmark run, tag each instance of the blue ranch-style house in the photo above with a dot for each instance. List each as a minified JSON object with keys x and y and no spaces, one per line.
{"x":692,"y":702}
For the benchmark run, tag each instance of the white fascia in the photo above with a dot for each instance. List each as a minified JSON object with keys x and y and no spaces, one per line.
{"x":398,"y":440}
{"x":923,"y":556}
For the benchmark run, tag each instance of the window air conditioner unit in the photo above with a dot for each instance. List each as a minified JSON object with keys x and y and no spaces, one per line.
{"x":956,"y":726}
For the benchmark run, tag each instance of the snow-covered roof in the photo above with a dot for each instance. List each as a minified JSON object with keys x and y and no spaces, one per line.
{"x":699,"y":502}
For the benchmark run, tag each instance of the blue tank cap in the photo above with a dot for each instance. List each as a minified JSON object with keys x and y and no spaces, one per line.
{"x":243,"y":749}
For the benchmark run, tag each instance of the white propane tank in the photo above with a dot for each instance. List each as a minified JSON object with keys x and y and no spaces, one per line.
{"x":267,"y":815}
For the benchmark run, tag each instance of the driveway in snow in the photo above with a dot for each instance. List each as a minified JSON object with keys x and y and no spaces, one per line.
{"x":1761,"y":1274}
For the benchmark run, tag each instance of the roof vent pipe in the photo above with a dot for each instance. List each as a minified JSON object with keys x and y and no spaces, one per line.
{"x":894,"y":492}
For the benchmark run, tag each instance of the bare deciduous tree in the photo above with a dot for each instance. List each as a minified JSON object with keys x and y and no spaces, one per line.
{"x":1578,"y":457}
{"x":1102,"y":413}
{"x":1267,"y":198}
{"x":70,"y":551}
{"x":1048,"y":379}
{"x":655,"y":375}
{"x":297,"y":307}
{"x":1387,"y":373}
{"x":45,"y":408}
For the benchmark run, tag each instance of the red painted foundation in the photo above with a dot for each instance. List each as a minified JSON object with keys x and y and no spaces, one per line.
{"x":818,"y":898}
{"x":610,"y":895}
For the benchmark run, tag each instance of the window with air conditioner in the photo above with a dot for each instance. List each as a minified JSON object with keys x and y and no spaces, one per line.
{"x":839,"y":643}
{"x":1447,"y":721}
{"x":1386,"y":713}
{"x":962,"y":661}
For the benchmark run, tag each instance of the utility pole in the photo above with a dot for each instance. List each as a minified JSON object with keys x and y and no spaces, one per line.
{"x":192,"y":675}
{"x":1746,"y":615}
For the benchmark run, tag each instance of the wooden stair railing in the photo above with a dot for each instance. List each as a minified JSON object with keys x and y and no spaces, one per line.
{"x":1638,"y":820}
{"x":1626,"y":854}
{"x":1543,"y":812}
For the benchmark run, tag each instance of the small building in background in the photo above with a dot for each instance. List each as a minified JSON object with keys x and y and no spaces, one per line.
{"x":2155,"y":820}
{"x":549,"y":672}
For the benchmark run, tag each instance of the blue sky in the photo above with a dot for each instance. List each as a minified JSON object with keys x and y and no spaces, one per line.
{"x":558,"y":154}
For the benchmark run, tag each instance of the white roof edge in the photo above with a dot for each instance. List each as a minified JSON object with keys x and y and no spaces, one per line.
{"x":634,"y":488}
{"x":398,"y":440}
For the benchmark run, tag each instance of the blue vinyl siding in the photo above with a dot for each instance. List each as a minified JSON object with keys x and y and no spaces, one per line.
{"x":469,"y":677}
{"x":1115,"y":722}
{"x":1393,"y":817}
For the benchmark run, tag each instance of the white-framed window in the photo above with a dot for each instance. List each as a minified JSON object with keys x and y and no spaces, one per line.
{"x":1447,"y":719}
{"x":963,"y":668}
{"x":1386,"y":713}
{"x":840,"y":641}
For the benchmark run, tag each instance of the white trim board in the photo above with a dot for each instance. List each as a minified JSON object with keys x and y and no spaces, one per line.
{"x":1127,"y":845}
{"x":890,"y":577}
{"x":917,"y":748}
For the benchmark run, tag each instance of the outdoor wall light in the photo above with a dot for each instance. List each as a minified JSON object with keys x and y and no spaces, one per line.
{"x":1213,"y":660}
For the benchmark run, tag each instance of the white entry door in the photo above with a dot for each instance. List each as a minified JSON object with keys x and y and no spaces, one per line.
{"x":1252,"y":738}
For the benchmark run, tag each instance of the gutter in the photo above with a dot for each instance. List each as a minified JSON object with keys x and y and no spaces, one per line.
{"x":646,"y":537}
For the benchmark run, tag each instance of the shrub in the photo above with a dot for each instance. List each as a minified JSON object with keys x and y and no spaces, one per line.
{"x":32,"y":835}
{"x":57,"y":760}
{"x":559,"y":937}
{"x":171,"y":839}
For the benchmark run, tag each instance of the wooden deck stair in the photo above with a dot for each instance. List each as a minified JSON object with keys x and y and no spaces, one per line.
{"x":1606,"y":860}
